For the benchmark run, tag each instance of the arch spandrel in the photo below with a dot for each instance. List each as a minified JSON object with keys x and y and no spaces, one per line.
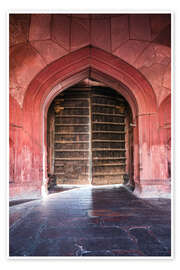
{"x":92,"y":59}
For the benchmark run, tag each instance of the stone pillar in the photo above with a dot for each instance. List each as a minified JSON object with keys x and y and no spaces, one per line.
{"x":152,"y":165}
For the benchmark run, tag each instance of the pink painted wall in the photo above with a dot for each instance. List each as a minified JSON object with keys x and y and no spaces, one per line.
{"x":141,"y":40}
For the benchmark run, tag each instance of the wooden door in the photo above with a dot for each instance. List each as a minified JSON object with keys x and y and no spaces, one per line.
{"x":91,"y":136}
{"x":108,"y":137}
{"x":71,"y":142}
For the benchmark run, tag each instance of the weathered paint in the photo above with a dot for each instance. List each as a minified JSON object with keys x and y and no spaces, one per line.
{"x":145,"y":84}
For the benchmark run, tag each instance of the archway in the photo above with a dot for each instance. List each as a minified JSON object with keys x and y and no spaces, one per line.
{"x":89,"y":62}
{"x":90,"y":137}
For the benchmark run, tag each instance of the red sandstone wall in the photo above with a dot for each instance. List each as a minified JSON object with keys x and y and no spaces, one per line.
{"x":20,"y":156}
{"x":37,"y":40}
{"x":15,"y":121}
{"x":141,"y":40}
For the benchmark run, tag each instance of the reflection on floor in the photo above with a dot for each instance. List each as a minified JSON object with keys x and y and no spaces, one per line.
{"x":91,"y":221}
{"x":52,"y":190}
{"x":61,"y":188}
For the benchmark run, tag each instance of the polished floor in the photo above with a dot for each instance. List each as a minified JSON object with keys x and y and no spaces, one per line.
{"x":91,"y":221}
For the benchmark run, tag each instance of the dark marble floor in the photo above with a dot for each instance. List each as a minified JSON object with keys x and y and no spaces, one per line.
{"x":90,"y":221}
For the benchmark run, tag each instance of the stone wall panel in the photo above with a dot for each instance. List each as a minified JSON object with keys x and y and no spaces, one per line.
{"x":25,"y":63}
{"x":100,"y":33}
{"x":119,"y":30}
{"x":140,"y":27}
{"x":49,"y":50}
{"x":40,"y":27}
{"x":80,"y":35}
{"x":18,"y":28}
{"x":131,"y":50}
{"x":61,"y":30}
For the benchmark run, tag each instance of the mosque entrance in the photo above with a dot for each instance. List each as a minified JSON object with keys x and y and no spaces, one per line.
{"x":90,"y":137}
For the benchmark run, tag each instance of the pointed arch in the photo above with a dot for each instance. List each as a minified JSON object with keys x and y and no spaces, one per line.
{"x":96,"y":63}
{"x":88,"y":62}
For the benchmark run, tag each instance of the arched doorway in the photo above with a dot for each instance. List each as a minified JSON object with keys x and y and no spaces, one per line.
{"x":90,"y":62}
{"x":90,"y":136}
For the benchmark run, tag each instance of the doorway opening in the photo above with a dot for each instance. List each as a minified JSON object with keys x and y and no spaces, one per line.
{"x":90,"y":137}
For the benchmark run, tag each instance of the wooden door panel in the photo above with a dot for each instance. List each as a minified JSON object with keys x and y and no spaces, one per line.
{"x":90,"y":140}
{"x":108,"y":140}
{"x":71,"y":145}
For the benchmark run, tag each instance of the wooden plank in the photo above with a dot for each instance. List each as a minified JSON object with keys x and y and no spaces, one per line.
{"x":107,"y":174}
{"x":63,"y":173}
{"x":69,"y":142}
{"x":107,"y":149}
{"x":63,"y":165}
{"x":74,"y":98}
{"x":104,"y":131}
{"x":109,"y":123}
{"x":85,"y":107}
{"x":108,"y":96}
{"x":69,"y":116}
{"x":90,"y":139}
{"x":106,"y":158}
{"x":105,"y":105}
{"x":112,"y":141}
{"x":109,"y":164}
{"x":71,"y":150}
{"x":73,"y":159}
{"x":71,"y":133}
{"x":108,"y":114}
{"x":71,"y":124}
